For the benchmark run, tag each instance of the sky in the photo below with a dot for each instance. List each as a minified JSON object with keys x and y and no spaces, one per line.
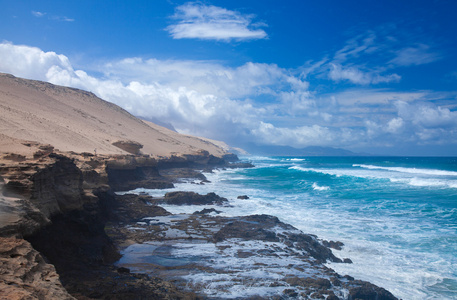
{"x":363,"y":75}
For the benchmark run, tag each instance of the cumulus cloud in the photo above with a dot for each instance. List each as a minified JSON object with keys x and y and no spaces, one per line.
{"x":203,"y":76}
{"x":419,"y":123}
{"x":201,"y":110}
{"x":395,"y":125}
{"x":297,"y":137}
{"x":199,"y":21}
{"x":253,"y":102}
{"x":427,"y":115}
{"x":31,"y":62}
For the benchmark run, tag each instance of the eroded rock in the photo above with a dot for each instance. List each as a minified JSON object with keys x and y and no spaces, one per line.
{"x":25,"y":274}
{"x":192,"y":198}
{"x":129,"y":146}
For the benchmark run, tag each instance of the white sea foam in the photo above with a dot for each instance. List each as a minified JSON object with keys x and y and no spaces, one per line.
{"x":384,"y":238}
{"x":296,"y":159}
{"x":251,"y":275}
{"x":427,"y":182}
{"x":344,"y":172}
{"x":257,"y":158}
{"x":420,"y":180}
{"x":320,"y":188}
{"x":409,"y":170}
{"x":225,"y":273}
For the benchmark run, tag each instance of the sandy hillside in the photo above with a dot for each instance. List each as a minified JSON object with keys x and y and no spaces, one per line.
{"x":75,"y":120}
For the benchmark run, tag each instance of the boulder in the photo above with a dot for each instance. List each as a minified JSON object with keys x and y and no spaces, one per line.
{"x":368,"y":291}
{"x":192,"y":198}
{"x":129,"y":146}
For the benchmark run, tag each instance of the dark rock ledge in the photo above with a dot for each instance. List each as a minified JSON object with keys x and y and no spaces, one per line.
{"x":211,"y":255}
{"x":64,"y":205}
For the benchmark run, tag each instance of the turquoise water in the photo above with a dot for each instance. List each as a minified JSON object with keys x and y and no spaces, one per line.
{"x":396,"y":216}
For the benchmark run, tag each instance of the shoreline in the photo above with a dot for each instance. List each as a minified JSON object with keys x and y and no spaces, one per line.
{"x":81,"y":237}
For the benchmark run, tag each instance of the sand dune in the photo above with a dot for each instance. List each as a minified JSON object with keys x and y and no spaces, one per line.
{"x":75,"y":120}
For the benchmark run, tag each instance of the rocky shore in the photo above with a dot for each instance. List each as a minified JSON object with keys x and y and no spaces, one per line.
{"x":66,"y":234}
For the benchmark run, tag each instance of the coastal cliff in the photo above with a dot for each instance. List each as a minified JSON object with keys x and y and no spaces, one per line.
{"x":63,"y":152}
{"x":64,"y":208}
{"x":63,"y":155}
{"x":58,"y":204}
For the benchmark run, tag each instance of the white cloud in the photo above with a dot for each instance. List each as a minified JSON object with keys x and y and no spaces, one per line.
{"x":354,"y":62}
{"x":417,"y":55}
{"x":204,"y":76}
{"x":30,"y":62}
{"x":267,"y":133}
{"x":196,"y":20}
{"x":62,"y":19}
{"x":253,"y":102}
{"x":356,"y":76}
{"x":38,"y":14}
{"x":370,"y":58}
{"x":395,"y":125}
{"x":427,"y":115}
{"x":356,"y":47}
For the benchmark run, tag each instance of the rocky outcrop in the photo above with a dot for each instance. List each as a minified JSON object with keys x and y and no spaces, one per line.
{"x":24,"y":274}
{"x":61,"y":203}
{"x":65,"y":208}
{"x":129,"y":146}
{"x":192,"y":198}
{"x":129,"y":207}
{"x":366,"y":290}
{"x":18,"y":217}
{"x":269,"y":228}
{"x":129,"y":172}
{"x":215,"y":255}
{"x":58,"y":188}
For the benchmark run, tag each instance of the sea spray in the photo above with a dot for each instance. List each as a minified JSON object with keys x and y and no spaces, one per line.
{"x":396,"y":216}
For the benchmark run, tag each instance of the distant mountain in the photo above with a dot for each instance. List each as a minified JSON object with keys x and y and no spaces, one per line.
{"x":291,"y":151}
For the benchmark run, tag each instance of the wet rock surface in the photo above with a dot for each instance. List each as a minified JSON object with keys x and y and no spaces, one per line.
{"x":248,"y":257}
{"x":191,"y":198}
{"x":66,"y":208}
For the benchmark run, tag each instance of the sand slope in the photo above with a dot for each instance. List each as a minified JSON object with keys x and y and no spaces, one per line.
{"x":75,"y":120}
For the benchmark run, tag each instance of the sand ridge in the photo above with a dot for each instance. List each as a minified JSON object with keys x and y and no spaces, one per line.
{"x":75,"y":120}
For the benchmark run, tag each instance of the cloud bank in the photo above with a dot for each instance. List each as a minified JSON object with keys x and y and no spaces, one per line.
{"x":253,"y":102}
{"x":199,"y":21}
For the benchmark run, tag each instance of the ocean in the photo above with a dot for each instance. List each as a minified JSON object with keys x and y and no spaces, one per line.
{"x":397,"y":216}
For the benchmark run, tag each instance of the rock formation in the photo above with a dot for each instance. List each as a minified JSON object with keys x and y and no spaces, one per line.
{"x":24,"y":274}
{"x":62,"y":153}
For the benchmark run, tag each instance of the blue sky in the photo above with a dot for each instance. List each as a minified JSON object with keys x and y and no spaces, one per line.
{"x":373,"y":76}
